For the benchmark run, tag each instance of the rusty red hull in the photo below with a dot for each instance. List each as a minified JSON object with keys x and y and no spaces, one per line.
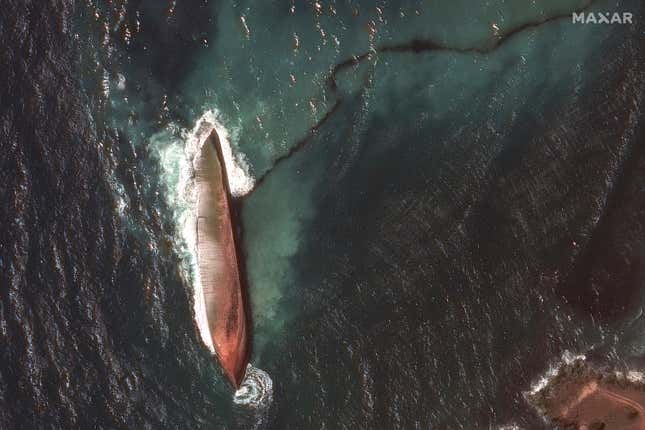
{"x":219,"y":268}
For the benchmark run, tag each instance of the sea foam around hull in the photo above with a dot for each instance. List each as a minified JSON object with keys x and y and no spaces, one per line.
{"x":177,"y":161}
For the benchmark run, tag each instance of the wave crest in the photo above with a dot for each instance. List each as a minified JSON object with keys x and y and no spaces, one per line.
{"x":256,"y":391}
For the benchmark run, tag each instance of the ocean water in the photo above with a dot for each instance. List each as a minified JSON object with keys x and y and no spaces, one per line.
{"x":440,"y":202}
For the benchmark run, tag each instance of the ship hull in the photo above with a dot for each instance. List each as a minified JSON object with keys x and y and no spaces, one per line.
{"x":217,"y":256}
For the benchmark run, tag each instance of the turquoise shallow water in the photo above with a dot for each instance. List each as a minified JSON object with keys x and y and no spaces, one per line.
{"x":431,"y":183}
{"x":438,"y":94}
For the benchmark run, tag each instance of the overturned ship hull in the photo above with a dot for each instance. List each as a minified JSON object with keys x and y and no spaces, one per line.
{"x":217,"y":256}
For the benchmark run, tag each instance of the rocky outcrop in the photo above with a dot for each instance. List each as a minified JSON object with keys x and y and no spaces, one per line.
{"x":582,"y":397}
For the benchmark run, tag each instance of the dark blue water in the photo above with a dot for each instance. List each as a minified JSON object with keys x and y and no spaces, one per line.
{"x":439,"y":202}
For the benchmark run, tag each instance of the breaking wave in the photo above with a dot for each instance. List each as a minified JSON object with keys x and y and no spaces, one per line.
{"x":566,"y":359}
{"x":256,"y":390}
{"x":252,"y":401}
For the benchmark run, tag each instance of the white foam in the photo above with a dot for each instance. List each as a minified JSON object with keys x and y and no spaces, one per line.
{"x":567,"y":358}
{"x":241,"y":182}
{"x":120,"y":82}
{"x":635,"y":376}
{"x":256,"y":390}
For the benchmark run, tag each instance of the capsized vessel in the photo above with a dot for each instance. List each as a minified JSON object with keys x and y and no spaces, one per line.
{"x":217,"y":258}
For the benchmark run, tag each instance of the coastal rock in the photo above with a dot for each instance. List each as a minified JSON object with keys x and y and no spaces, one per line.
{"x":582,"y":397}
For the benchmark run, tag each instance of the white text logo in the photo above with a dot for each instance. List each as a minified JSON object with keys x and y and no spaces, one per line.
{"x":602,"y":18}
